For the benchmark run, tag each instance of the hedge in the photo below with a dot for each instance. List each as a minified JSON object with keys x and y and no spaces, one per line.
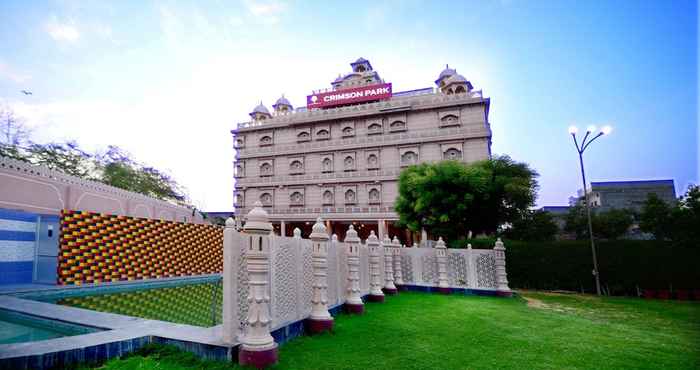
{"x":624,"y":265}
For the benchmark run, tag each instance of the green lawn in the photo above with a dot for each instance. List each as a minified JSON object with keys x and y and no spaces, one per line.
{"x":535,"y":331}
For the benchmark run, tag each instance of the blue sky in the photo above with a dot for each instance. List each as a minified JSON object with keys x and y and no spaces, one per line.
{"x":168,"y":80}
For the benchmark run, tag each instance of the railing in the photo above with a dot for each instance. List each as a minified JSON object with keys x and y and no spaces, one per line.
{"x":414,"y":99}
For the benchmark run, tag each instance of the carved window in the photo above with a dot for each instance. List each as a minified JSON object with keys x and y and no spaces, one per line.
{"x":327,"y":165}
{"x":323,"y":135}
{"x":348,"y":131}
{"x":266,"y":169}
{"x":450,"y":119}
{"x":239,"y":142}
{"x":452,"y":154}
{"x":374,"y":196}
{"x":239,"y":171}
{"x":372,"y":161}
{"x":397,"y":126}
{"x":460,"y":90}
{"x":266,"y":199}
{"x":303,"y":136}
{"x":266,"y":140}
{"x":409,"y":158}
{"x":374,"y":128}
{"x":238,"y":199}
{"x":350,"y":197}
{"x":327,"y":197}
{"x":349,"y":163}
{"x":296,"y":199}
{"x":296,"y":167}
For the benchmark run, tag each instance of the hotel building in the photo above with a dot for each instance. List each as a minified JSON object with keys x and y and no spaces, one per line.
{"x":340,"y":156}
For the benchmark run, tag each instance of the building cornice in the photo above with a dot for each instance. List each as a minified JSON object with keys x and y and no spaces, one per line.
{"x":403,"y":103}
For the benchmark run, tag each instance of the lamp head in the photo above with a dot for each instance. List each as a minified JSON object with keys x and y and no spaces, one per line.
{"x":606,"y":130}
{"x":590,"y":128}
{"x":573,"y":130}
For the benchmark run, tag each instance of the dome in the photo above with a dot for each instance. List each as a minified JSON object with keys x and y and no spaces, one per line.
{"x":445,"y":73}
{"x":282,"y":101}
{"x":261,"y":109}
{"x":455,"y":78}
{"x":360,"y":60}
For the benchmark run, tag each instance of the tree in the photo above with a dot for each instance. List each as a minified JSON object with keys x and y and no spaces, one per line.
{"x":610,"y":224}
{"x":67,"y":158}
{"x":449,"y":198}
{"x":13,"y":131}
{"x":533,"y":226}
{"x":655,"y":217}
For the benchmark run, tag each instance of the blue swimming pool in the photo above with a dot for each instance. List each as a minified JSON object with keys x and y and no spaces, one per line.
{"x":16,"y":328}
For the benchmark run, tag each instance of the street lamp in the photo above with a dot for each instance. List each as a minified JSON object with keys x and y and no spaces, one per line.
{"x":573,"y":130}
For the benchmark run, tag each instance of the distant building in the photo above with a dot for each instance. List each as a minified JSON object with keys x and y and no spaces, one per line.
{"x":629,"y":194}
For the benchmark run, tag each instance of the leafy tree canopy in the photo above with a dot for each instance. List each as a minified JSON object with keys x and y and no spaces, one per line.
{"x":678,"y":222}
{"x":449,"y":198}
{"x":610,"y":224}
{"x":533,"y":226}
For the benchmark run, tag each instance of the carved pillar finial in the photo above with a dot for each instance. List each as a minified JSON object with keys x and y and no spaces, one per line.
{"x":353,"y":302}
{"x":389,"y":287}
{"x":320,"y":319}
{"x":375,"y":279}
{"x":441,"y":257}
{"x":501,"y":276}
{"x":258,"y":348}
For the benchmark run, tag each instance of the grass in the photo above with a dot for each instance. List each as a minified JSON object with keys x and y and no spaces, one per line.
{"x":535,"y":331}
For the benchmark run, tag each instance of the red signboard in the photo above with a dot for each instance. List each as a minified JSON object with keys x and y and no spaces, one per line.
{"x":349,"y":96}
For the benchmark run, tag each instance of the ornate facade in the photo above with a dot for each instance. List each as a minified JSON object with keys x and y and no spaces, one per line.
{"x":343,"y":162}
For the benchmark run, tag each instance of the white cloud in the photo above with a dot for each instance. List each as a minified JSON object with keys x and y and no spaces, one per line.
{"x":8,"y":73}
{"x":62,"y":32}
{"x":267,"y":12}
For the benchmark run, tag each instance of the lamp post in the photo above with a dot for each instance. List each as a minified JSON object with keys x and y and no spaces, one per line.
{"x":580,"y":148}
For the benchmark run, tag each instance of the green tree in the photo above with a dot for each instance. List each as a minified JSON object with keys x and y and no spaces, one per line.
{"x":449,"y":198}
{"x":576,"y":222}
{"x":685,"y":216}
{"x":533,"y":226}
{"x":67,"y":158}
{"x":655,"y":217}
{"x":612,"y":224}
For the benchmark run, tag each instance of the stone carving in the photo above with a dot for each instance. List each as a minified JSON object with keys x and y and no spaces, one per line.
{"x":372,"y":161}
{"x":499,"y":251}
{"x":323,"y":134}
{"x":285,"y":283}
{"x":398,"y":271}
{"x":265,"y":169}
{"x":374,"y":196}
{"x":319,"y":300}
{"x":332,"y":271}
{"x":348,"y":131}
{"x":457,"y":269}
{"x":307,"y":275}
{"x":452,"y":154}
{"x":429,"y":274}
{"x":296,"y":166}
{"x":349,"y":163}
{"x":266,"y":140}
{"x":441,"y":257}
{"x":407,"y":266}
{"x":303,"y":136}
{"x":327,"y":165}
{"x":375,"y":283}
{"x":374,"y":128}
{"x":242,"y":287}
{"x":266,"y":199}
{"x":486,"y":271}
{"x":349,"y":196}
{"x":327,"y":197}
{"x":352,"y":252}
{"x":296,"y":198}
{"x":409,"y":158}
{"x":389,"y":286}
{"x":449,"y":119}
{"x":239,"y":171}
{"x":397,"y":126}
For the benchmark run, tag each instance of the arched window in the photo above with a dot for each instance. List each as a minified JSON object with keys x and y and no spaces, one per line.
{"x":453,"y":154}
{"x":265,"y":169}
{"x":372,"y":161}
{"x":266,"y":140}
{"x":374,"y":128}
{"x":296,"y":198}
{"x":322,"y":134}
{"x":397,"y":126}
{"x":460,"y":90}
{"x":409,"y":158}
{"x":348,"y":131}
{"x":349,"y":196}
{"x":327,"y":165}
{"x":239,"y":171}
{"x":266,"y":199}
{"x":374,"y":196}
{"x":327,"y":197}
{"x":303,"y":136}
{"x":349,"y":163}
{"x":449,"y":91}
{"x":296,"y":166}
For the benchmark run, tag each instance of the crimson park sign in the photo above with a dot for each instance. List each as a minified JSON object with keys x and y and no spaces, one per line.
{"x":349,"y":96}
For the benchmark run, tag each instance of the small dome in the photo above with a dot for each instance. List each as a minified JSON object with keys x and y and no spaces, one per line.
{"x":360,"y":60}
{"x":260,"y":109}
{"x":445,"y":73}
{"x":282,"y":101}
{"x":456,"y":78}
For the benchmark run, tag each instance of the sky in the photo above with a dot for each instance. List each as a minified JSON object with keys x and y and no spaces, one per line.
{"x":168,"y":80}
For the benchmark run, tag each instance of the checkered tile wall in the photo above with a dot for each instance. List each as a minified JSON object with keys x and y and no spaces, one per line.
{"x":97,"y":248}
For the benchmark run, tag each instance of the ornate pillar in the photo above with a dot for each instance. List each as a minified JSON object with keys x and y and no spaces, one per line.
{"x":398,"y":271}
{"x":353,"y":302}
{"x":375,"y":279}
{"x":441,"y":257}
{"x":471,"y":269}
{"x":501,"y":276}
{"x":232,"y":252}
{"x":320,"y":319}
{"x":423,"y":238}
{"x":389,"y":287}
{"x":283,"y":229}
{"x":258,"y":348}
